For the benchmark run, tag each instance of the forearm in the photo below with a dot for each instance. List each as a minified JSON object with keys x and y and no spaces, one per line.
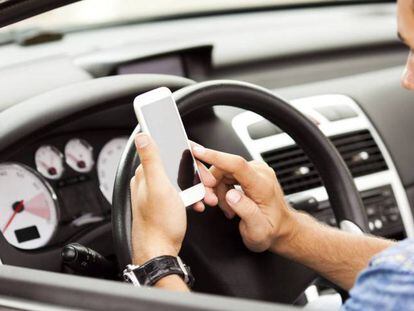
{"x":173,"y":283}
{"x":336,"y":255}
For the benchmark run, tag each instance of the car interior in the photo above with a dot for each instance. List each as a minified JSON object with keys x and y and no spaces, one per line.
{"x":310,"y":87}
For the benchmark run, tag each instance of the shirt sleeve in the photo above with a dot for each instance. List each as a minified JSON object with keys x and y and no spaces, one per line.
{"x":387,"y":283}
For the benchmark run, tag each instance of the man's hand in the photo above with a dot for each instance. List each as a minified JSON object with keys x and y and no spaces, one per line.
{"x":267,"y":222}
{"x":265,"y":216}
{"x":159,"y":216}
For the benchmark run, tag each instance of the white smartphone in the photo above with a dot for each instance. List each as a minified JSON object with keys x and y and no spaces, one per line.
{"x":158,"y":116}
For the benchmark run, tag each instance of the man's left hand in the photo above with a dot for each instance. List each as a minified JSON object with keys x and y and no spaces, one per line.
{"x":159,"y":216}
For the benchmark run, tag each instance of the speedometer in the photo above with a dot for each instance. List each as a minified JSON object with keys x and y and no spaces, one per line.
{"x":108,"y":161}
{"x":28,"y":206}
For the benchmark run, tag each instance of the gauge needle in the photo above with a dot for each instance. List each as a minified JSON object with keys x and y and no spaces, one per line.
{"x":50,"y":169}
{"x":72,"y":157}
{"x":79,"y":163}
{"x":44,"y":164}
{"x":16,"y":209}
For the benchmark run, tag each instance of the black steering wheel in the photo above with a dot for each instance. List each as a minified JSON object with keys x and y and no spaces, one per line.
{"x":213,"y":247}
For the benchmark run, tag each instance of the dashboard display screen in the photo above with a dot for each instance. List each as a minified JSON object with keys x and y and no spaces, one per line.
{"x":27,"y":234}
{"x":171,"y":65}
{"x":165,"y":127}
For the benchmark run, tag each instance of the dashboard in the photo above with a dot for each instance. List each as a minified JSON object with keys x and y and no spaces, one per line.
{"x":58,"y":187}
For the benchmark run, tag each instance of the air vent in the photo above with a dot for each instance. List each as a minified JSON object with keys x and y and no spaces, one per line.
{"x":296,"y":173}
{"x":360,"y":152}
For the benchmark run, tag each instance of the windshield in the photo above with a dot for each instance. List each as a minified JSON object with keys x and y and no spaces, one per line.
{"x":88,"y":13}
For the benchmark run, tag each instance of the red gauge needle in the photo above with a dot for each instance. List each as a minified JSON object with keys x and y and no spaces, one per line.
{"x":17,"y":208}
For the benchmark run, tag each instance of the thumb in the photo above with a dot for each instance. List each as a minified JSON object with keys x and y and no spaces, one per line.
{"x":244,"y":207}
{"x":149,"y":155}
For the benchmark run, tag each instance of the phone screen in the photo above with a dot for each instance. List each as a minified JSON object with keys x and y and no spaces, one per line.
{"x":165,"y":127}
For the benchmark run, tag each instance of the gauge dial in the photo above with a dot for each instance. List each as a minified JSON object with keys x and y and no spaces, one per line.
{"x":27,"y":207}
{"x":108,"y":161}
{"x":49,"y":162}
{"x":79,"y":155}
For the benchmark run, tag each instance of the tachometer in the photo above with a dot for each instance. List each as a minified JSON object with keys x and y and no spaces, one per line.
{"x":79,"y":155}
{"x":28,"y":216}
{"x":108,"y":161}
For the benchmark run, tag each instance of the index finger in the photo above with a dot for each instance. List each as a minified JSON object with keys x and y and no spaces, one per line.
{"x":230,"y":163}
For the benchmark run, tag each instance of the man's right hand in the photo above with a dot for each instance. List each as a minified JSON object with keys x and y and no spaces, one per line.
{"x":265,"y":216}
{"x":268,"y":223}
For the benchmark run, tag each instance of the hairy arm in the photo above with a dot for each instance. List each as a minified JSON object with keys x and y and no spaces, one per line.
{"x":173,"y":283}
{"x":268,"y":223}
{"x":337,"y":255}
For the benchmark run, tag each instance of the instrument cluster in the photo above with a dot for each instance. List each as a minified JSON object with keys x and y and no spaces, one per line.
{"x":61,"y":187}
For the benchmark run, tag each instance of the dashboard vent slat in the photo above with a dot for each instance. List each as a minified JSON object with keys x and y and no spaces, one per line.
{"x":296,"y":173}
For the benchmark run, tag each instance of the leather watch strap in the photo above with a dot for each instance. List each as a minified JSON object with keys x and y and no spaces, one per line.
{"x":159,"y":267}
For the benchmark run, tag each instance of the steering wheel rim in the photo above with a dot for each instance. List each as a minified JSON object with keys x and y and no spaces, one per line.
{"x":343,"y":194}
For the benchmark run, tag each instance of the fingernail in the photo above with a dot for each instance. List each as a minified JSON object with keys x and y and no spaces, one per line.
{"x":142,"y":140}
{"x":233,"y":196}
{"x":199,"y":149}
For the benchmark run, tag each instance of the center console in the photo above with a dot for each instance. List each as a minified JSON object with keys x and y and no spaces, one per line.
{"x":341,"y":119}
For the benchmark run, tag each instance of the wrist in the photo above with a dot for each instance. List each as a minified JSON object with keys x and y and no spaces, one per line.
{"x":148,"y":243}
{"x":172,"y":282}
{"x":163,"y":271}
{"x":287,"y":231}
{"x":143,"y":255}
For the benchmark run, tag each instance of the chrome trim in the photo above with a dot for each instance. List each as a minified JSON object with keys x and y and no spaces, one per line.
{"x":307,"y":105}
{"x":129,"y":275}
{"x":184,"y":269}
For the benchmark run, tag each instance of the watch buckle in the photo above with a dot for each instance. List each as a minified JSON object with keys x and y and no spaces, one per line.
{"x":130,"y":276}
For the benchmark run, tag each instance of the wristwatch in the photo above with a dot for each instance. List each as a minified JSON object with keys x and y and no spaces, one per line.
{"x":157,"y":268}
